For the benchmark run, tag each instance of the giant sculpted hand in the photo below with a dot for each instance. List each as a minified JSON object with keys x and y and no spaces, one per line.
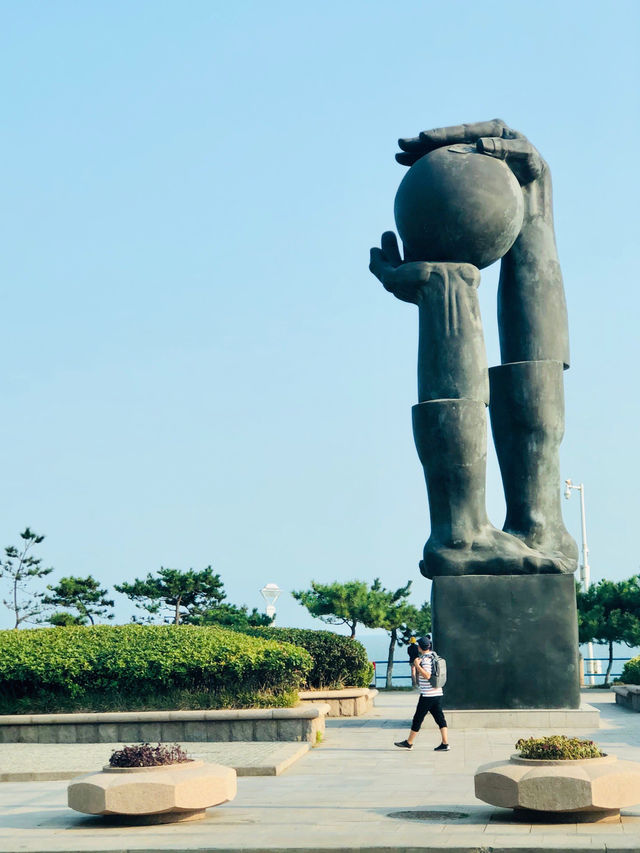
{"x":532,"y":311}
{"x":493,"y":138}
{"x":449,"y":421}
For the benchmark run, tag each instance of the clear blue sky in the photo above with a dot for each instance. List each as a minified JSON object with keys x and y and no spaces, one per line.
{"x":197,"y":366}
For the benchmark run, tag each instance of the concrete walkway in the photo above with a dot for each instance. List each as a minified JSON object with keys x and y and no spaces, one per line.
{"x":356,"y":791}
{"x":48,"y":762}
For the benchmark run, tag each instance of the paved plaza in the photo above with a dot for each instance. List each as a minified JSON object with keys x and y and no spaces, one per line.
{"x":48,"y":762}
{"x":355,"y":791}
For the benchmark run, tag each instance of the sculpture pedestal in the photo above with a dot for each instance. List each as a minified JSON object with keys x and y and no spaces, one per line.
{"x":510,"y":641}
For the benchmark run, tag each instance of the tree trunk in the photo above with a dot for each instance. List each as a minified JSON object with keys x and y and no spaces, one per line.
{"x":15,"y":602}
{"x":177,"y":618}
{"x":353,"y":630}
{"x":392,"y":648}
{"x":606,"y":678}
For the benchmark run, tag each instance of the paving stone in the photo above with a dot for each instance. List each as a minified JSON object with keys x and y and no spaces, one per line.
{"x":338,"y":797}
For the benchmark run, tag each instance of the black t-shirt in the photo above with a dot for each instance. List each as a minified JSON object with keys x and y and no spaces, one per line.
{"x":413,"y":651}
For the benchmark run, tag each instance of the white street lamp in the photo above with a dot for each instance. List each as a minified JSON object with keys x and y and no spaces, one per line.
{"x":270,"y":593}
{"x":585,"y":569}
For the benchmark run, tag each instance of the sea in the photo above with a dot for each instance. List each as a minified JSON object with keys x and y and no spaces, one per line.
{"x":377,"y":645}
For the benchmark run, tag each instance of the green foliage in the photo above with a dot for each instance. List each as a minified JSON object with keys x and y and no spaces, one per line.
{"x":417,"y":625}
{"x":62,"y":619}
{"x":631,"y":671}
{"x":80,"y":594}
{"x":555,"y":747}
{"x":20,"y":569}
{"x":192,"y":597}
{"x":159,"y":699}
{"x":338,"y":661}
{"x":134,"y":664}
{"x":350,"y":603}
{"x":185,"y":594}
{"x":609,"y":612}
{"x":229,"y":616}
{"x":396,"y":612}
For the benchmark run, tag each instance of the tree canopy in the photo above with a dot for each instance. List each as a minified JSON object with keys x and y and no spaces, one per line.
{"x":183,"y":593}
{"x":417,"y":625}
{"x":397,"y":613}
{"x":83,"y":595}
{"x":609,"y":612}
{"x":351,"y":603}
{"x":190,"y":597}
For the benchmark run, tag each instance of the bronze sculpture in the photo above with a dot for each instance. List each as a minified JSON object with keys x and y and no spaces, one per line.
{"x":456,"y":210}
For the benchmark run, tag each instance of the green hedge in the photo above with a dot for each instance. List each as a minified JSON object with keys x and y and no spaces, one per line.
{"x":130,"y":665}
{"x":631,"y":671}
{"x":338,"y":661}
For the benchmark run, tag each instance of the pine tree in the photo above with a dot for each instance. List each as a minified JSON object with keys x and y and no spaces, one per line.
{"x":609,"y":612}
{"x":81,"y":594}
{"x":351,"y":603}
{"x":20,"y":568}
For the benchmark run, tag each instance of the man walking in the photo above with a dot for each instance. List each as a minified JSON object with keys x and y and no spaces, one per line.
{"x":430,"y":701}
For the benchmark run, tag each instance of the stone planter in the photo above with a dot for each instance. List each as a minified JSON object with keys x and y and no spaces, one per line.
{"x":248,"y":724}
{"x":585,"y":788}
{"x":163,"y":794}
{"x":348,"y":702}
{"x":627,"y":695}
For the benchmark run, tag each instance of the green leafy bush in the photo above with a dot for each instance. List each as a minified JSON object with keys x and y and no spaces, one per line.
{"x":631,"y":671}
{"x":557,"y":747}
{"x":57,"y":668}
{"x":338,"y":661}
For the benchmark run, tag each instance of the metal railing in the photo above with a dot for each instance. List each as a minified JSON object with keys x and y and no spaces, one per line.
{"x":604,"y":663}
{"x":381,"y":674}
{"x":382,"y":677}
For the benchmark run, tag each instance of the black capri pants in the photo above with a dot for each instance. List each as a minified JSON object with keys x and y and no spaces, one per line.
{"x":428,"y":705}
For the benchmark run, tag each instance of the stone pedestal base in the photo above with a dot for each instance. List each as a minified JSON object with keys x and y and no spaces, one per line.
{"x":585,"y":789}
{"x":510,"y":641}
{"x":162,"y":794}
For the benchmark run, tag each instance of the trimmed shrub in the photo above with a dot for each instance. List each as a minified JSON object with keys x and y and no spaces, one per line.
{"x":631,"y":671}
{"x":132,"y":665}
{"x":338,"y":661}
{"x":557,"y":747}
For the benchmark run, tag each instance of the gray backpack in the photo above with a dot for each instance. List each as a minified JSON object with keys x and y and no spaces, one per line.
{"x":438,"y":671}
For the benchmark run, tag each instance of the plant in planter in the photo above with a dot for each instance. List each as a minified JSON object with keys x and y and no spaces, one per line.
{"x":145,"y":755}
{"x":560,"y":778}
{"x":147,"y":784}
{"x":558,"y":747}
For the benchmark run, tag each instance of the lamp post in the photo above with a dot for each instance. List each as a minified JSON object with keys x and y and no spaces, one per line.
{"x":270,"y":593}
{"x":585,"y":569}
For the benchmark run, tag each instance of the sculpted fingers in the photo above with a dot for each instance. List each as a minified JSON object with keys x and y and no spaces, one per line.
{"x":461,"y":133}
{"x":390,"y":248}
{"x":379,"y":265}
{"x":429,"y":140}
{"x":522,"y":158}
{"x":407,"y":159}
